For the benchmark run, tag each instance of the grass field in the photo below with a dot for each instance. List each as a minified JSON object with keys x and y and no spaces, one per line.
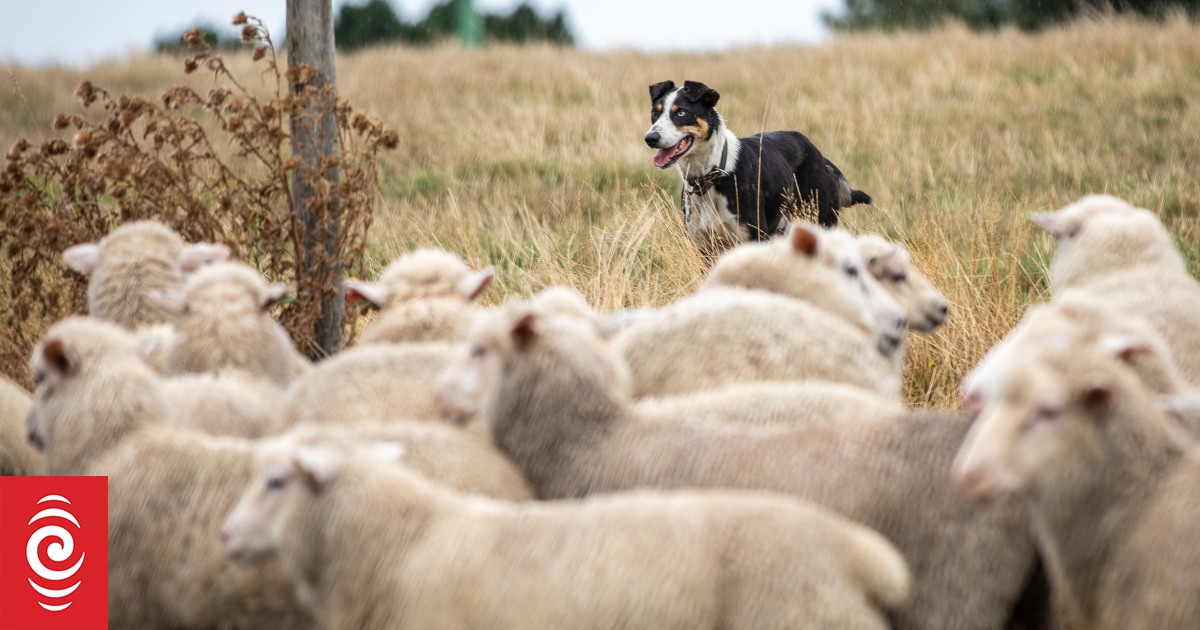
{"x":531,"y":159}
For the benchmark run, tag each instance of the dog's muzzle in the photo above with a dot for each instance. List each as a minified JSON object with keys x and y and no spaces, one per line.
{"x":652,"y":139}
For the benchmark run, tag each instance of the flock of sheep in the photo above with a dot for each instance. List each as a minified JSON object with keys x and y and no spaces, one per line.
{"x":740,"y":458}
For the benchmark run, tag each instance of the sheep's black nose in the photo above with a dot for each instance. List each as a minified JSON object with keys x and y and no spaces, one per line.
{"x":652,"y":139}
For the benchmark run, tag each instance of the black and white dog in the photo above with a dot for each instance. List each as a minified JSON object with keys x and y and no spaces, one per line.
{"x":735,"y":189}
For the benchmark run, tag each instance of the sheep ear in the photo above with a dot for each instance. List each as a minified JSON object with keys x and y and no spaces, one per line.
{"x":276,"y":292}
{"x":82,"y":258}
{"x":1124,"y":347}
{"x":54,"y":353}
{"x":524,"y":330}
{"x":374,"y":293}
{"x":1056,"y":224}
{"x":661,"y":88}
{"x":168,"y":300}
{"x":319,"y":465}
{"x":475,"y":284}
{"x":804,"y":239}
{"x":195,"y":255}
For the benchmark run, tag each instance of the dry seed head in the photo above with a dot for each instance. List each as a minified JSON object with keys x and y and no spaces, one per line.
{"x":249,"y":33}
{"x":239,"y":19}
{"x":55,"y":147}
{"x":189,"y":65}
{"x":259,"y":53}
{"x":18,"y":147}
{"x":61,"y":122}
{"x":389,"y":140}
{"x":194,"y":37}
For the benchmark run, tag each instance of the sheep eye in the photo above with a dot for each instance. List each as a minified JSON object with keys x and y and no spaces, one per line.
{"x":900,"y":278}
{"x":478,"y":352}
{"x":851,"y":271}
{"x":38,"y":377}
{"x":276,"y":482}
{"x":1044,"y":414}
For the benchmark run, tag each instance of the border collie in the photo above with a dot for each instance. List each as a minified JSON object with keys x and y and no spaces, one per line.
{"x":737,"y":189}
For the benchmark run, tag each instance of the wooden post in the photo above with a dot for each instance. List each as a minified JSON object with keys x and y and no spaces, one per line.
{"x":314,"y":140}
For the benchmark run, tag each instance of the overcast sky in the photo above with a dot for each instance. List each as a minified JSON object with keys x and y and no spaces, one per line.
{"x":80,"y":32}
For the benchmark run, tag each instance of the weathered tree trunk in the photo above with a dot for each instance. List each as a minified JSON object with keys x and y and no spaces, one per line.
{"x":314,"y":142}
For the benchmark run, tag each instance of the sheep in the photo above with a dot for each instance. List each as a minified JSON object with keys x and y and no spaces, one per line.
{"x":557,"y":401}
{"x":427,"y":295}
{"x":98,"y":410}
{"x":443,"y":454}
{"x":1123,"y":257}
{"x":222,"y":324}
{"x":1111,"y":482}
{"x":1078,"y":316}
{"x":891,"y":265}
{"x":134,"y":259}
{"x":372,"y":383}
{"x":17,"y":455}
{"x":821,"y":266}
{"x":374,"y":546}
{"x":728,"y":332}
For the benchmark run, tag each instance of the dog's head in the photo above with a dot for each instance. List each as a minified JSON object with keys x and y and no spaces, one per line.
{"x":680,"y":118}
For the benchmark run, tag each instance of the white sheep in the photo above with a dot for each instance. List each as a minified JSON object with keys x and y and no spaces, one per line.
{"x":17,"y":455}
{"x":1123,"y":257}
{"x":557,"y":400}
{"x":229,"y":402}
{"x":131,"y":261}
{"x":427,"y":295}
{"x":373,"y":546}
{"x":791,"y":309}
{"x":98,"y":410}
{"x":1110,"y":479}
{"x":223,"y":324}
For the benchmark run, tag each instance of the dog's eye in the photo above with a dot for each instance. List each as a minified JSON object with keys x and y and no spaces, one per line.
{"x":680,"y":114}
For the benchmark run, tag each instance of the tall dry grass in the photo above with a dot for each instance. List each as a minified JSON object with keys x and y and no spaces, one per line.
{"x":531,"y":159}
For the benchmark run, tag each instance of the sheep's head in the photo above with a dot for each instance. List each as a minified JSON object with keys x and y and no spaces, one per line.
{"x":1042,"y":411}
{"x":1100,"y":235}
{"x":422,"y":274}
{"x":74,"y":352}
{"x":891,"y":265}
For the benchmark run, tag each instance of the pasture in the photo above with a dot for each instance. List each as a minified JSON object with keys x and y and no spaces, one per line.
{"x":531,"y":159}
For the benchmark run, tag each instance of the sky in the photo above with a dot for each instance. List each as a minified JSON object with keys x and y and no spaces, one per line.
{"x":82,"y":32}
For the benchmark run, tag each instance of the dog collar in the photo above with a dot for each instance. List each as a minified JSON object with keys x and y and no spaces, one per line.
{"x":700,"y":185}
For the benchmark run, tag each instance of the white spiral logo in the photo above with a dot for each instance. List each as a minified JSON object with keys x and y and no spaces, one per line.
{"x":59,"y":551}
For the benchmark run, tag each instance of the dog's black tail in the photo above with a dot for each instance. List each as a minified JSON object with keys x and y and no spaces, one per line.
{"x":858,"y":196}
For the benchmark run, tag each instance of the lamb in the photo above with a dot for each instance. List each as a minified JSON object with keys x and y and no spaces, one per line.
{"x":891,"y":265}
{"x":747,"y":324}
{"x":446,"y":455}
{"x":1124,"y":258}
{"x":427,"y":295}
{"x":17,"y":455}
{"x":556,"y":399}
{"x":98,"y":410}
{"x":799,"y":266}
{"x":1110,"y":479}
{"x":134,"y":260}
{"x":1080,"y":318}
{"x":222,"y":325}
{"x":644,"y":560}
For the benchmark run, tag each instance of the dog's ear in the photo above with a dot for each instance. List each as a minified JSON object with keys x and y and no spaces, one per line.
{"x":701,"y":93}
{"x":658,"y":90}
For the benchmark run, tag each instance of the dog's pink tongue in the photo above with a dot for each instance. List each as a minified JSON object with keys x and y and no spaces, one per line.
{"x":663,"y":157}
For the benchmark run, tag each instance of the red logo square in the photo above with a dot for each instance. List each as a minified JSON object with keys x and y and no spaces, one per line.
{"x":53,"y":553}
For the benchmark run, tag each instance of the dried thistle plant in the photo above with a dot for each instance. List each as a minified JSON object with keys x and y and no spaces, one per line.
{"x":159,"y":160}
